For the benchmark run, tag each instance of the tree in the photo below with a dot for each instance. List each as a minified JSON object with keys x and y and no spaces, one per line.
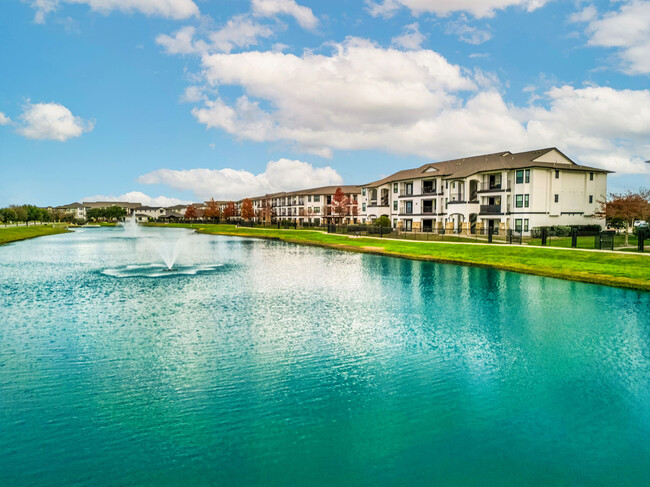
{"x":9,"y":215}
{"x":340,"y":203}
{"x":19,"y":212}
{"x":212,"y":210}
{"x":229,"y":211}
{"x":627,"y":207}
{"x":247,"y":211}
{"x":190,"y":212}
{"x":383,"y":221}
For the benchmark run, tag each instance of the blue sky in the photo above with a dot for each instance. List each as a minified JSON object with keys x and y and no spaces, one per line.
{"x":165,"y":100}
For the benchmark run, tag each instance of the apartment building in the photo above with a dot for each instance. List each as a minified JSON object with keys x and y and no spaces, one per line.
{"x":491,"y":192}
{"x":314,"y":206}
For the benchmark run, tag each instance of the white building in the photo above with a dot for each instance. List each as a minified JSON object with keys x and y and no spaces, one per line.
{"x":491,"y":192}
{"x":315,"y":206}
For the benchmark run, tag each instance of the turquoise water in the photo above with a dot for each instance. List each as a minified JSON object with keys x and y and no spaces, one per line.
{"x":264,"y":363}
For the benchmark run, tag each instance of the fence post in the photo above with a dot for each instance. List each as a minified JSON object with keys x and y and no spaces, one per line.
{"x":574,"y":238}
{"x":640,"y":237}
{"x":489,"y":236}
{"x":544,"y":235}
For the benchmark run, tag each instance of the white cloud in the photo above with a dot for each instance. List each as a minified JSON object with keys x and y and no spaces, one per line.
{"x":225,"y":184}
{"x":627,"y":29}
{"x":411,"y":38}
{"x":269,"y":8}
{"x":476,"y":8}
{"x":172,"y":9}
{"x":138,"y":197}
{"x":362,"y":96}
{"x":587,"y":14}
{"x":51,"y":121}
{"x":239,"y":32}
{"x":4,"y":120}
{"x":467,"y":33}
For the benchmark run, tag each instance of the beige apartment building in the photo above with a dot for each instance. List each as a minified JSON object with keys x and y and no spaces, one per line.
{"x":491,"y":192}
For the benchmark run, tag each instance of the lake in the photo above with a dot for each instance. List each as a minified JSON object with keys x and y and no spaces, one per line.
{"x":265,"y":363}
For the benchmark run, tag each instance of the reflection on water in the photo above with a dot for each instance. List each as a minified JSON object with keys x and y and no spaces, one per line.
{"x":287,"y":365}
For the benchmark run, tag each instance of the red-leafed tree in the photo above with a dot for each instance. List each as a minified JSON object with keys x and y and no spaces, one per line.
{"x":212,"y":210}
{"x":229,"y":211}
{"x":190,"y":212}
{"x":627,"y":207}
{"x":247,"y":211}
{"x":340,"y":203}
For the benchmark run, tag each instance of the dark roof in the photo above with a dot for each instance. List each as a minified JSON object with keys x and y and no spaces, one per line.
{"x":108,"y":204}
{"x":71,"y":205}
{"x":467,"y":166}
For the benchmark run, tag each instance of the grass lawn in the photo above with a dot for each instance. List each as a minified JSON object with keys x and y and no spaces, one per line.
{"x":613,"y":269}
{"x":583,"y":242}
{"x":13,"y":234}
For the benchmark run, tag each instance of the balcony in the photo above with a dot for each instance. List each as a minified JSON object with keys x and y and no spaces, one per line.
{"x":490,"y":210}
{"x":406,"y":195}
{"x":428,"y":190}
{"x":493,"y":188}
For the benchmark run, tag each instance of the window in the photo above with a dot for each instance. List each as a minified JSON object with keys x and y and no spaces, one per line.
{"x":408,"y":207}
{"x":363,"y":207}
{"x":408,"y":188}
{"x":394,"y":205}
{"x":526,"y":225}
{"x":557,"y":174}
{"x":527,"y":176}
{"x":526,"y":200}
{"x":363,"y":192}
{"x":394,"y":187}
{"x":309,"y":198}
{"x":591,"y":198}
{"x":520,"y":176}
{"x":408,"y":225}
{"x":518,"y":224}
{"x":557,"y":198}
{"x":591,"y":176}
{"x":316,"y":198}
{"x":519,"y":201}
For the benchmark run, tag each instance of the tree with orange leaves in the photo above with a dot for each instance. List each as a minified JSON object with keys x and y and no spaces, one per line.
{"x":212,"y":210}
{"x":229,"y":211}
{"x":190,"y":212}
{"x":247,"y":211}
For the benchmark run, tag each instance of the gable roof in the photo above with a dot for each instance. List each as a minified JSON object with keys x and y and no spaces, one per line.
{"x":467,"y":166}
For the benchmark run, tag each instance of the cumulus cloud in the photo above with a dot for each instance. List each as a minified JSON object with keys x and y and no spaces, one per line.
{"x":239,"y":32}
{"x":411,"y":38}
{"x":172,"y":9}
{"x":362,"y":96}
{"x":51,"y":121}
{"x":626,"y":30}
{"x":476,"y":8}
{"x":139,"y":197}
{"x":4,"y":120}
{"x":225,"y":184}
{"x":269,"y":8}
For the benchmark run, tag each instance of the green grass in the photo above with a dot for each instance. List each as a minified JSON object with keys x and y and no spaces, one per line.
{"x":13,"y":234}
{"x":613,"y":269}
{"x":583,"y":242}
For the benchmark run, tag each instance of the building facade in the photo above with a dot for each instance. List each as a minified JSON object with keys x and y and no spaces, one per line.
{"x":492,"y":192}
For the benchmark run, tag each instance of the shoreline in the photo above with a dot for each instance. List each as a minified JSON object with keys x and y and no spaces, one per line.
{"x":16,"y":234}
{"x":614,"y":269}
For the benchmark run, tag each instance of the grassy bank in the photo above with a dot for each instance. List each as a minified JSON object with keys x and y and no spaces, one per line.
{"x":611,"y":269}
{"x":13,"y":234}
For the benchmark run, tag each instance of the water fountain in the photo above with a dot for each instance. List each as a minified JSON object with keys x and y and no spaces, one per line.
{"x":131,"y":227}
{"x":168,"y":244}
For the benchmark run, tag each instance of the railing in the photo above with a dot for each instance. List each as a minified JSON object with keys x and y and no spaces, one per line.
{"x":402,"y":195}
{"x":486,"y":187}
{"x":490,"y":210}
{"x":457,"y":198}
{"x":428,"y":190}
